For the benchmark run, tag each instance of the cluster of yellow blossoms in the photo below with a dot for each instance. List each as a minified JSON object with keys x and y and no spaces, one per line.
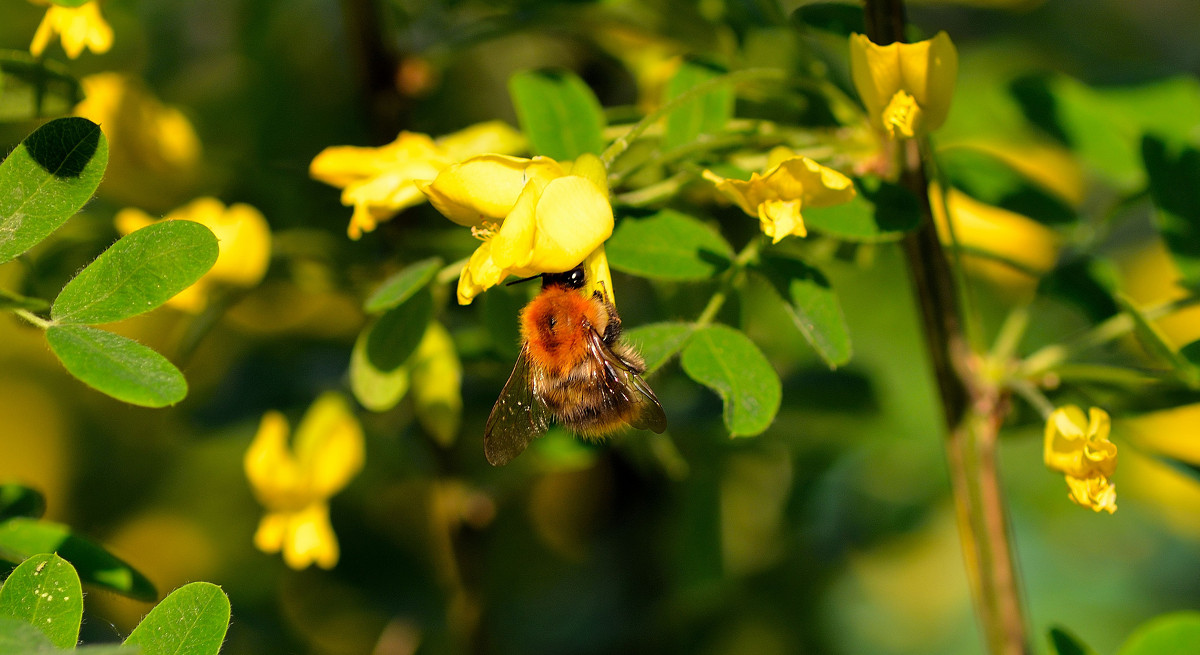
{"x":1078,"y":447}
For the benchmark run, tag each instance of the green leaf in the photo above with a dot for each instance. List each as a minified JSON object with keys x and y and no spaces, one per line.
{"x":1065,"y":643}
{"x":658,"y":342}
{"x":32,"y":88}
{"x":395,"y":335}
{"x":70,"y":3}
{"x":137,"y":273}
{"x":117,"y":366}
{"x":401,"y":286}
{"x":1174,"y":173}
{"x":501,"y":308}
{"x":11,"y":301}
{"x":22,"y":538}
{"x":1157,"y":345}
{"x":668,"y":246}
{"x":192,"y":620}
{"x":375,"y":389}
{"x":44,"y":592}
{"x":558,"y":112}
{"x":881,"y":211}
{"x":1177,"y":633}
{"x":707,"y":113}
{"x":1105,"y":126}
{"x":727,"y":361}
{"x":812,"y":304}
{"x":19,"y":500}
{"x":20,"y":638}
{"x":47,"y":179}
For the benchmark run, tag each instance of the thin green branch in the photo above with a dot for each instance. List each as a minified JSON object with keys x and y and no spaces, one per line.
{"x":33,"y":318}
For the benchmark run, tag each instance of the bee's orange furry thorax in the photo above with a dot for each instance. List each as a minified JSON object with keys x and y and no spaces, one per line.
{"x":555,"y":328}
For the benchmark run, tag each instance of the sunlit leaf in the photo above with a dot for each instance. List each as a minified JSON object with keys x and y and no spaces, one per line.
{"x":727,"y":361}
{"x":401,"y":286}
{"x":558,"y":112}
{"x":22,"y":538}
{"x":705,"y":114}
{"x":192,"y":620}
{"x":668,"y":246}
{"x":881,"y":211}
{"x":117,"y":366}
{"x":19,"y":500}
{"x":1178,"y":632}
{"x":47,"y":179}
{"x":44,"y":591}
{"x":32,"y":88}
{"x":395,"y":335}
{"x":813,"y":306}
{"x":1174,"y":172}
{"x":659,"y":342}
{"x":375,"y":389}
{"x":137,"y":273}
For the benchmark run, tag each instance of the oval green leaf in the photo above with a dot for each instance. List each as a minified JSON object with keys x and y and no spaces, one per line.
{"x":20,"y":638}
{"x":707,"y":113}
{"x":1174,"y":172}
{"x":1178,"y":632}
{"x":19,"y":500}
{"x":192,"y":620}
{"x":31,"y":88}
{"x":395,"y":335}
{"x":727,"y":361}
{"x":668,"y":245}
{"x":117,"y":366}
{"x":1065,"y":643}
{"x":813,"y":306}
{"x":401,"y":286}
{"x":137,"y":273}
{"x":558,"y":112}
{"x":44,"y":591}
{"x":658,"y":342}
{"x":47,"y":179}
{"x":375,"y":389}
{"x":881,"y":211}
{"x":23,"y":537}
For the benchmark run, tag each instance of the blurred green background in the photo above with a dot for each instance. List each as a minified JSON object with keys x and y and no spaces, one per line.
{"x":833,"y":532}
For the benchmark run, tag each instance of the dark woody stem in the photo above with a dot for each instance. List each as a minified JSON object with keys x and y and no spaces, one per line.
{"x":972,"y":408}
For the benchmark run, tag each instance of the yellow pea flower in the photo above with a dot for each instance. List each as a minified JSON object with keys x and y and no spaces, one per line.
{"x":905,"y":87}
{"x":154,"y":153}
{"x":79,"y":27}
{"x":294,"y":485}
{"x":242,"y":234}
{"x":791,"y":183}
{"x":1078,"y":447}
{"x":379,"y":182}
{"x":533,"y":215}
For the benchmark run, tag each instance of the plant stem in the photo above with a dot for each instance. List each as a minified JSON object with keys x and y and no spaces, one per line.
{"x":973,"y":409}
{"x":747,"y":255}
{"x":33,"y":318}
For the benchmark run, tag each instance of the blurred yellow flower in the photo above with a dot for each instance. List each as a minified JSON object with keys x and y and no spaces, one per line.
{"x":79,"y":27}
{"x":1078,"y":447}
{"x":379,"y":182}
{"x":437,"y":384}
{"x":242,"y":234}
{"x":294,"y":485}
{"x":154,"y":153}
{"x":791,"y":183}
{"x":533,"y":215}
{"x":905,"y":87}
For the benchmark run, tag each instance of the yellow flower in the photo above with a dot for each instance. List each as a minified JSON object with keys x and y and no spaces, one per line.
{"x":533,"y":215}
{"x":791,"y":183}
{"x":1078,"y":447}
{"x":80,"y":27}
{"x":242,"y":234}
{"x":379,"y":182}
{"x":154,"y":153}
{"x":295,"y":485}
{"x":905,"y":87}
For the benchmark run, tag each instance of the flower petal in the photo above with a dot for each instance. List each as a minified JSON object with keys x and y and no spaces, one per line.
{"x":270,"y":468}
{"x":574,"y":218}
{"x":481,"y":188}
{"x":329,"y":445}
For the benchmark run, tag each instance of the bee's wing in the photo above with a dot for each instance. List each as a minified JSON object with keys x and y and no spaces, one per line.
{"x":626,"y":385}
{"x":518,"y":417}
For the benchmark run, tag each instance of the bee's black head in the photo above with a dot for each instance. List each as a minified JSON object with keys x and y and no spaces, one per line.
{"x":572,"y":279}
